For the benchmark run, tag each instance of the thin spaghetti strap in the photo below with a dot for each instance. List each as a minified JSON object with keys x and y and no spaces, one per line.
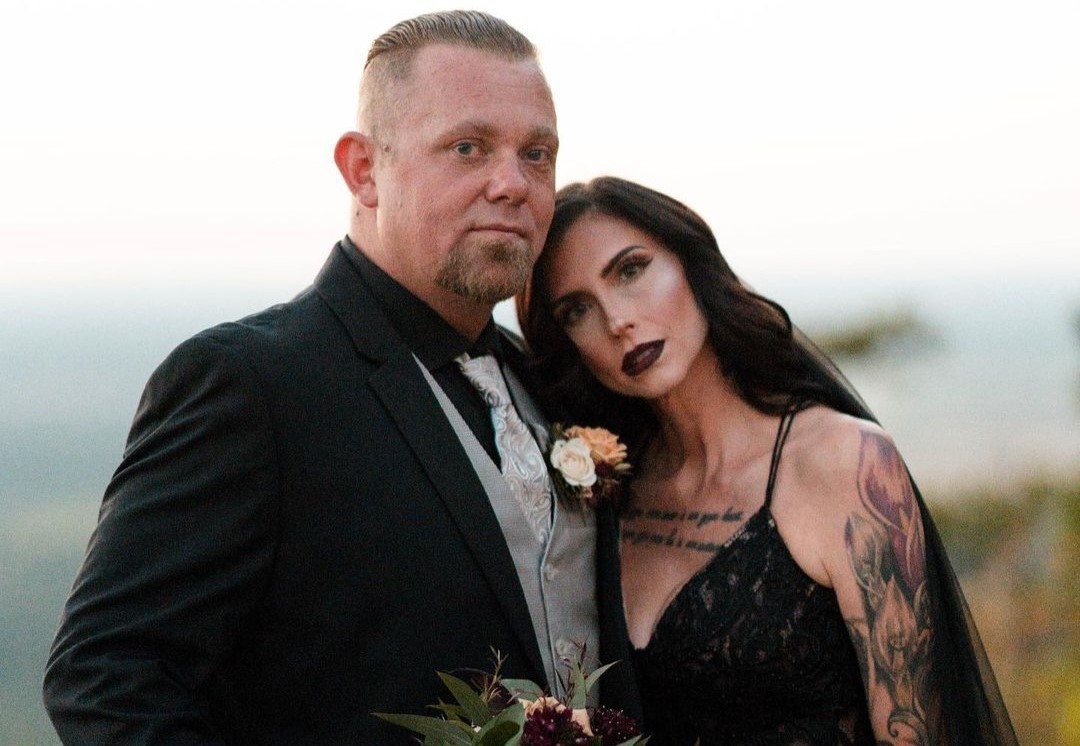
{"x":781,"y":435}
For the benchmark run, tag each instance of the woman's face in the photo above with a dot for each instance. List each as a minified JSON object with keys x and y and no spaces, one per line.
{"x":623,"y":300}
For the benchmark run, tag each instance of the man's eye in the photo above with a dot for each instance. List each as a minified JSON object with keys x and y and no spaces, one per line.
{"x":465,"y":148}
{"x":538,"y":155}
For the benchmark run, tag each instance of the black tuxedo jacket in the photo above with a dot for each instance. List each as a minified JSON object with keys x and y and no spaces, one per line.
{"x":294,"y":539}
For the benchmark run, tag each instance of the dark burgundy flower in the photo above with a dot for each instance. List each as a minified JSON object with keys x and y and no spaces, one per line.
{"x":613,"y":726}
{"x":547,"y":726}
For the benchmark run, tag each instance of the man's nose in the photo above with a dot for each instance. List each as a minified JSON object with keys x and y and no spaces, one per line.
{"x":507,"y":179}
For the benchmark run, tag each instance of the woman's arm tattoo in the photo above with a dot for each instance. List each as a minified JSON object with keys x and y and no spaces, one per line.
{"x":887,"y":556}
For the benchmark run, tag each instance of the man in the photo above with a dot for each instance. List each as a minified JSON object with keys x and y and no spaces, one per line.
{"x":310,"y":518}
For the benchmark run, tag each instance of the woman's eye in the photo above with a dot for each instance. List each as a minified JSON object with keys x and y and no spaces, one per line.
{"x":571,"y":313}
{"x":633,"y":267}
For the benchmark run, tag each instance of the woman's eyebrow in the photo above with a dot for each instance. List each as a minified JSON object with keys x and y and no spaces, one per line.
{"x":615,"y":259}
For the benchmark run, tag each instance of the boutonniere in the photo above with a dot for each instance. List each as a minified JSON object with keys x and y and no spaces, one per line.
{"x":590,"y":464}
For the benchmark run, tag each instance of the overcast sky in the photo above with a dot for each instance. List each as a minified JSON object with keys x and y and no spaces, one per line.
{"x":172,"y":145}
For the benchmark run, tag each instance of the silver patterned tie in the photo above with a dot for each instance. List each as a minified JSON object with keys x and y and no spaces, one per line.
{"x":523,"y":464}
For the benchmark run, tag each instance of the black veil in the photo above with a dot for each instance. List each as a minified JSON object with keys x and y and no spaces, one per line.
{"x":972,"y":711}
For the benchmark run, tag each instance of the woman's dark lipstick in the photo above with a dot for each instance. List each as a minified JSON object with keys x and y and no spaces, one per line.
{"x":641,"y":357}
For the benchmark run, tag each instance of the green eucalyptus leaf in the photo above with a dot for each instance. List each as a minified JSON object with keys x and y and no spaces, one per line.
{"x":445,"y":732}
{"x":474,"y":708}
{"x":504,"y":730}
{"x":515,"y":713}
{"x":523,"y":688}
{"x":450,"y":711}
{"x":577,"y":687}
{"x":591,"y":681}
{"x":500,"y":735}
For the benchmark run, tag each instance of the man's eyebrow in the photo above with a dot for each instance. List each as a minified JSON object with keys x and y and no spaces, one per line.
{"x":545,"y":133}
{"x":470,"y":127}
{"x":485,"y":129}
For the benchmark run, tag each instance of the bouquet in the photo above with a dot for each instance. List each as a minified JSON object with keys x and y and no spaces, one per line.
{"x":495,"y":711}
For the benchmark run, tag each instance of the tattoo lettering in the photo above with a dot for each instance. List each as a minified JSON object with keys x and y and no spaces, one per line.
{"x":633,"y":537}
{"x":700,"y":520}
{"x":888,"y":559}
{"x":680,"y":520}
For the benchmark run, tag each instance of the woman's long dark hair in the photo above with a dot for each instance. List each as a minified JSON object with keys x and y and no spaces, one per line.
{"x":770,"y":363}
{"x":751,"y":335}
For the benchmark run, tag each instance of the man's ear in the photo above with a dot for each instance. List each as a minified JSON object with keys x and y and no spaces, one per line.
{"x":354,"y":156}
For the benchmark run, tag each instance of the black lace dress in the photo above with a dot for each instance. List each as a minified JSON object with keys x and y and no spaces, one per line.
{"x":753,"y":651}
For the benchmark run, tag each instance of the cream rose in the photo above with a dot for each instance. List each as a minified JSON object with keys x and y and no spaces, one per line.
{"x":574,"y":461}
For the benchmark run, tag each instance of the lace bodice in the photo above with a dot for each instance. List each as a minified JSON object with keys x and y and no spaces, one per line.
{"x":753,"y":651}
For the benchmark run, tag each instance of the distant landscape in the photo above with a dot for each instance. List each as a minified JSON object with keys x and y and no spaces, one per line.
{"x":985,"y":405}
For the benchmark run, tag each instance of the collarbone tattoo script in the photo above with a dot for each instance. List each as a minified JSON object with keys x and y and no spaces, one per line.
{"x":645,"y":526}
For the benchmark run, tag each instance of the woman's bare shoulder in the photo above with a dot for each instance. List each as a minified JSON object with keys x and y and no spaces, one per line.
{"x":828,"y":450}
{"x":835,"y":469}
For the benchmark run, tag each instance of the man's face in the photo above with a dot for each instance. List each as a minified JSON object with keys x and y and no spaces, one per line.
{"x":465,"y":176}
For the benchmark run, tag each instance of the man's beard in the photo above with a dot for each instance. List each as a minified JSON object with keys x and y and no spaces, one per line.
{"x":487,"y":272}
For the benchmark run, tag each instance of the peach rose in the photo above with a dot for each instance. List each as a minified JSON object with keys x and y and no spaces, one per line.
{"x":603,"y":444}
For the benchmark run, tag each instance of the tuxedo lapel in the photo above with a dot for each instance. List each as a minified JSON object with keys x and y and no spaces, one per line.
{"x":405,"y":393}
{"x":398,"y":382}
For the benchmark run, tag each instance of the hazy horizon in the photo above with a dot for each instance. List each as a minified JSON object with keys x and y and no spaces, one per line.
{"x":188,"y":146}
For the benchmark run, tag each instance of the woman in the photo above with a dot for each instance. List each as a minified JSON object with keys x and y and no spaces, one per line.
{"x":782,"y":580}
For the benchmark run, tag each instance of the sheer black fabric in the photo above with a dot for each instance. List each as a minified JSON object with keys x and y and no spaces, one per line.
{"x":971,"y":710}
{"x":753,"y":651}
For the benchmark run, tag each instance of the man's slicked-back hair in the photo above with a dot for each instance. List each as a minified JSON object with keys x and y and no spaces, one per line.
{"x":391,"y":55}
{"x":465,"y":28}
